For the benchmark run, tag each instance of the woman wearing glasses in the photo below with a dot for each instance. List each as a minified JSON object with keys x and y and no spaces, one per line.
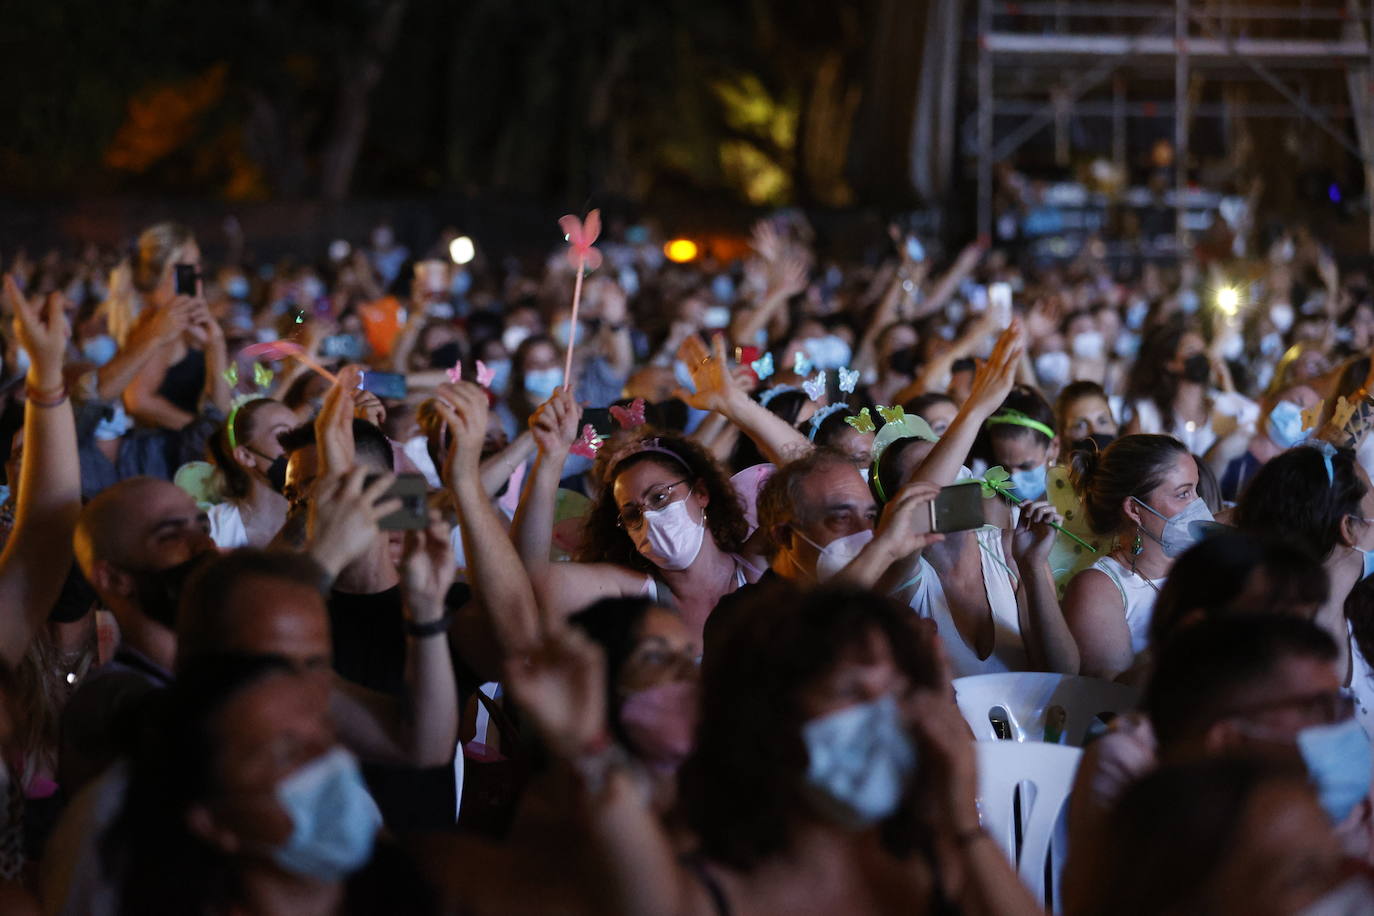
{"x":667,"y":524}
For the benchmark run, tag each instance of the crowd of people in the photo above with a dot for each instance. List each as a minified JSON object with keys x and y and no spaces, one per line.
{"x":383,"y":583}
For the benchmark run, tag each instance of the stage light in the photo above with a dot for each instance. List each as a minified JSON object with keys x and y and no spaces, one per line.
{"x":1228,"y":300}
{"x":680,"y":251}
{"x":461,"y":250}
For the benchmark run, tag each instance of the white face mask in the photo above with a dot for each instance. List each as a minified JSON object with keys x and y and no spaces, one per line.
{"x":1089,"y":345}
{"x":1281,"y":314}
{"x":670,"y":539}
{"x":513,"y":336}
{"x":838,"y":554}
{"x":859,"y":761}
{"x":1181,"y":531}
{"x":1053,"y":368}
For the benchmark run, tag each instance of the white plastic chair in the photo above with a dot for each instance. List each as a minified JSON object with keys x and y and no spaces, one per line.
{"x":1027,"y":698}
{"x":1042,"y":774}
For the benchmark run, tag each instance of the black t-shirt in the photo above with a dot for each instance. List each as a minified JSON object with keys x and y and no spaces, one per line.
{"x":369,"y":639}
{"x":370,"y":650}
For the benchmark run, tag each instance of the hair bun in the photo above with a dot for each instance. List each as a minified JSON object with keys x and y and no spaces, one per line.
{"x":1083,"y":464}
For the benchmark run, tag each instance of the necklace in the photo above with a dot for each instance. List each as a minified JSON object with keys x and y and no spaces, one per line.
{"x":1131,"y":565}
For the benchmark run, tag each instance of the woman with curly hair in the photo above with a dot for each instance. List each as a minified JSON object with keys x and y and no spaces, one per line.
{"x":666,"y":524}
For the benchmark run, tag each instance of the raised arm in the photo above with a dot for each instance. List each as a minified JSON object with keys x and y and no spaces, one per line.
{"x":718,"y":390}
{"x":1049,"y":643}
{"x":494,"y":569}
{"x":216,"y":388}
{"x":785,"y":279}
{"x":39,"y":553}
{"x":991,"y":385}
{"x":160,"y":329}
{"x":949,"y":281}
{"x":895,"y":539}
{"x":497,"y":469}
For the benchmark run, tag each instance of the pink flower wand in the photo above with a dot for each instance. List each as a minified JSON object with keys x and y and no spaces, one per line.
{"x":582,"y":256}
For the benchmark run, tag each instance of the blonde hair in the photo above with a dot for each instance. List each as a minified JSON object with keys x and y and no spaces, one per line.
{"x":131,"y":282}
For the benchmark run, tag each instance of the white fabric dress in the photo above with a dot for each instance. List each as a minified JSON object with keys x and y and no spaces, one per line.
{"x":1008,"y":651}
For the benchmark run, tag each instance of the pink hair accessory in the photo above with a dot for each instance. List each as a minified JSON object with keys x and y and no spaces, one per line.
{"x":631,"y":417}
{"x":588,"y":444}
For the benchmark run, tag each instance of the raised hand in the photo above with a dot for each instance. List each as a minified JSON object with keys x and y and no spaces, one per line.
{"x":427,"y":569}
{"x":343,"y":516}
{"x":561,"y":687}
{"x":462,"y":407}
{"x":946,"y":744}
{"x":901,"y":519}
{"x":994,"y":379}
{"x":334,"y":424}
{"x":710,"y":372}
{"x":43,"y":331}
{"x":367,"y":406}
{"x":1033,"y":536}
{"x":555,"y":423}
{"x":789,"y":276}
{"x":765,"y":240}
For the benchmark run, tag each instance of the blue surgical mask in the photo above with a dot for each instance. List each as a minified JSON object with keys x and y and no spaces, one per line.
{"x":1285,"y":424}
{"x":114,"y":425}
{"x":1053,"y":368}
{"x":334,"y":820}
{"x":562,"y":329}
{"x":500,"y":378}
{"x":1183,"y":530}
{"x":1030,"y":485}
{"x":860,"y":760}
{"x":540,"y":383}
{"x":236,"y":287}
{"x":461,"y":282}
{"x":1368,"y":563}
{"x":99,"y":349}
{"x":1339,"y":760}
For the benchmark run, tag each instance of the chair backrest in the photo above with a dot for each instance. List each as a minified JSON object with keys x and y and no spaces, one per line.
{"x":1031,"y":701}
{"x":1042,"y":775}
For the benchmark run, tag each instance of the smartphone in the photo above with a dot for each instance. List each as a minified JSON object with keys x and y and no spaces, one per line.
{"x":955,"y":508}
{"x":389,"y":386}
{"x":188,"y":280}
{"x":600,"y":419}
{"x":999,"y":300}
{"x":345,"y":346}
{"x":413,"y":515}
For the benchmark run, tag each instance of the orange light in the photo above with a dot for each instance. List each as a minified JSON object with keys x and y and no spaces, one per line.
{"x":680,"y":251}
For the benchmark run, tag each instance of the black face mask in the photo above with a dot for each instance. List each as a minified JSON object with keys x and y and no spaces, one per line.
{"x":445,"y":355}
{"x":903,"y":361}
{"x":276,"y":473}
{"x":159,"y":591}
{"x":1197,"y":368}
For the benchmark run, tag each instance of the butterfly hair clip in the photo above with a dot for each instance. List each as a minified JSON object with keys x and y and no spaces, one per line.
{"x":862,"y":421}
{"x":630,"y":417}
{"x":848,"y":379}
{"x":815,"y":387}
{"x":763,"y":366}
{"x":588,"y":444}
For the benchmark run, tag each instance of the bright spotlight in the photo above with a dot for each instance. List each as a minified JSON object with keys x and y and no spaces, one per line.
{"x":1228,"y":300}
{"x":680,"y":251}
{"x":461,"y":250}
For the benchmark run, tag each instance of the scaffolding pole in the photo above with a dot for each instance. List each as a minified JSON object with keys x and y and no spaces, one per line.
{"x":1180,"y":123}
{"x":984,"y":121}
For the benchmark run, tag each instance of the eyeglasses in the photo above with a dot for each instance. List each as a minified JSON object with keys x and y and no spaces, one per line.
{"x":632,"y":513}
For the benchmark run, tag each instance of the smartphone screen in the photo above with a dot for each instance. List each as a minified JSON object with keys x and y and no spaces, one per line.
{"x":999,"y":300}
{"x":187,"y":278}
{"x":413,"y":515}
{"x":342,"y":345}
{"x":955,"y":508}
{"x":389,"y":386}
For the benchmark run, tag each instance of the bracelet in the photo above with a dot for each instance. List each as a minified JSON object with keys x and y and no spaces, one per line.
{"x":39,"y":398}
{"x":429,"y":628}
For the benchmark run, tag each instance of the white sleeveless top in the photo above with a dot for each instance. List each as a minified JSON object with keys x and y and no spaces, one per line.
{"x":1138,"y":594}
{"x":1008,"y":651}
{"x":226,"y":526}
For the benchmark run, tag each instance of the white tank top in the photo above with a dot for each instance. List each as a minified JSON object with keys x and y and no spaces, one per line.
{"x":1361,"y":683}
{"x":1008,"y":652}
{"x":1138,"y":594}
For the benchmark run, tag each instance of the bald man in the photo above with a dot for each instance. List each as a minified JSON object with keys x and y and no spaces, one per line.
{"x":135,"y":542}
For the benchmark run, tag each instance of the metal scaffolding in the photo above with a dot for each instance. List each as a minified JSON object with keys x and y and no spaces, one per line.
{"x":1040,"y":41}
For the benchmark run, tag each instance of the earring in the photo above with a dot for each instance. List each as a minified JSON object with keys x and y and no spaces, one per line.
{"x":1138,"y":546}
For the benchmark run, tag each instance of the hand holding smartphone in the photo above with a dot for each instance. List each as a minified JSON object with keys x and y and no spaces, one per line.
{"x":958,"y":507}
